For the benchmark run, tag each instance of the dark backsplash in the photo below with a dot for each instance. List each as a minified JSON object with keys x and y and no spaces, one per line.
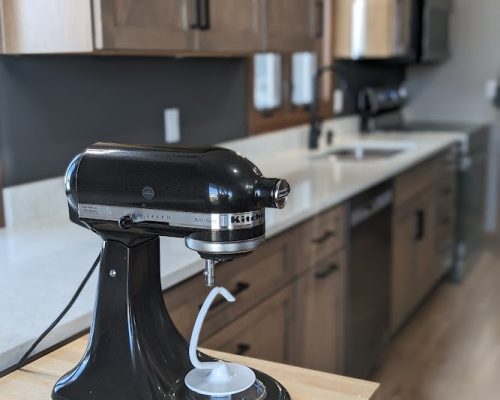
{"x":51,"y":107}
{"x":356,"y":75}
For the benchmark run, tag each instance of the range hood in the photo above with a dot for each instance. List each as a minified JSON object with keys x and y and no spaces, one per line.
{"x":373,"y":29}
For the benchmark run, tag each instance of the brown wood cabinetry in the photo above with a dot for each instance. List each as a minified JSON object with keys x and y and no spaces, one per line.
{"x":322,"y":236}
{"x":320,"y":315}
{"x":289,"y":295}
{"x":263,"y":332}
{"x":234,"y":26}
{"x":155,"y":26}
{"x":251,"y":279}
{"x":423,"y":232}
{"x":177,"y":25}
{"x":137,"y":25}
{"x":289,"y":25}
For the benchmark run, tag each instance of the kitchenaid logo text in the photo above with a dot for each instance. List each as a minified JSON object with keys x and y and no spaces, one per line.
{"x":247,"y":218}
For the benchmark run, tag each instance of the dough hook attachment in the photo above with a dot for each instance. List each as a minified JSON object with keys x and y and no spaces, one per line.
{"x":215,"y":378}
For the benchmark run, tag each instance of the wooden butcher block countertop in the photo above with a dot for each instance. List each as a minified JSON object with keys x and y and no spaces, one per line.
{"x":35,"y":380}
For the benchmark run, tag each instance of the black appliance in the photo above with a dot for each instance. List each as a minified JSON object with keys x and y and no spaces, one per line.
{"x":381,"y":111}
{"x":368,"y":280}
{"x":130,"y":195}
{"x":431,"y":30}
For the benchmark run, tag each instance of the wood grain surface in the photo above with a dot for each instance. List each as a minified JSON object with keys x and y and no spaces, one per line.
{"x":450,"y":349}
{"x":35,"y":381}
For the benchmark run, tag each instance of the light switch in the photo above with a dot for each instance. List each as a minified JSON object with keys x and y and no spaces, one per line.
{"x":338,"y":101}
{"x":172,"y":125}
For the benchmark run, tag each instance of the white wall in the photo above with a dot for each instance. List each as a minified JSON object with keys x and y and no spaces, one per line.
{"x":455,"y":91}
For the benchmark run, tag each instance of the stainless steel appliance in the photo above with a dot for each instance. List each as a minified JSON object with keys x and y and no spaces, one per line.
{"x":373,"y":29}
{"x":368,"y":280}
{"x":130,"y":195}
{"x":413,"y":30}
{"x":381,"y":111}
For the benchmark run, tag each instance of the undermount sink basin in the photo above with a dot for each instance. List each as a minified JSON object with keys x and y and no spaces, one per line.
{"x":367,"y":151}
{"x":363,"y":153}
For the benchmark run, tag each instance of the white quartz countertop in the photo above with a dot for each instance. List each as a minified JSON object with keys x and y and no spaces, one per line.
{"x":43,"y":263}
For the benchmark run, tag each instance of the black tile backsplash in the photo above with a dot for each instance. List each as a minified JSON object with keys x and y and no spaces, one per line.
{"x":51,"y":107}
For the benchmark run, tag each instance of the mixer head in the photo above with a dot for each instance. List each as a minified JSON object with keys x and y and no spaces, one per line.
{"x":212,"y":197}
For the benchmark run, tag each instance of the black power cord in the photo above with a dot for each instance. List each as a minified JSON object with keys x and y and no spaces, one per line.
{"x":23,"y":359}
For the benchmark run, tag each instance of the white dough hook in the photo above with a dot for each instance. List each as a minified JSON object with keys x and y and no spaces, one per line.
{"x":195,"y":335}
{"x":215,"y":378}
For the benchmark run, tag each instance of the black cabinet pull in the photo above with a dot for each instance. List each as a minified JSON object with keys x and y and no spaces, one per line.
{"x":325,"y":237}
{"x":205,"y":24}
{"x":240,"y":287}
{"x":197,"y":15}
{"x":324,"y":272}
{"x":242,"y":348}
{"x":419,"y":225}
{"x":319,"y":18}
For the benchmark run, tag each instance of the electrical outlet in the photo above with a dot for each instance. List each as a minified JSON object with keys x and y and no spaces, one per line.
{"x":491,"y":89}
{"x":172,"y":125}
{"x":338,"y":101}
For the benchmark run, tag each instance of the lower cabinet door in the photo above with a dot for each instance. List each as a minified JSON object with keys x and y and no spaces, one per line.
{"x":260,"y":333}
{"x":319,"y":339}
{"x":403,"y":278}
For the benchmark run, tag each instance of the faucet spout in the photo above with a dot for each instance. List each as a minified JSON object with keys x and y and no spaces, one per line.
{"x":314,"y":119}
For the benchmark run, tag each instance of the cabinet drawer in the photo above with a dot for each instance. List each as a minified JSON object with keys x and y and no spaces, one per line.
{"x":250,"y":279}
{"x":322,"y":236}
{"x":260,"y":333}
{"x":414,"y":181}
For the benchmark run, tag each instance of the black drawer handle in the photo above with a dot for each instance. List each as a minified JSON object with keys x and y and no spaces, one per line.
{"x":196,"y":24}
{"x":319,"y":19}
{"x":324,"y":238}
{"x":242,"y":348}
{"x":325,"y":272}
{"x":419,"y":225}
{"x":202,"y":15}
{"x":240,"y":287}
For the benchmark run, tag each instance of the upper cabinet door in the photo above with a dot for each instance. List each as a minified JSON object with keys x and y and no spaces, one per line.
{"x":152,"y":25}
{"x":289,"y":24}
{"x":227,"y":25}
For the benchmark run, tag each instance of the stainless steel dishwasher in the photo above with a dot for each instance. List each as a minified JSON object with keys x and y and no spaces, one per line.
{"x":368,"y":279}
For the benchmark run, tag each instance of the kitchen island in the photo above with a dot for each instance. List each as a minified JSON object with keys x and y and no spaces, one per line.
{"x":35,"y":380}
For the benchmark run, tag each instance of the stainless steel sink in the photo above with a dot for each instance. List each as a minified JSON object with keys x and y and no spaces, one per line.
{"x":366,"y":151}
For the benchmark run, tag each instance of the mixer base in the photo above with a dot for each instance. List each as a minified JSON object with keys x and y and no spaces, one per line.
{"x":135,"y":352}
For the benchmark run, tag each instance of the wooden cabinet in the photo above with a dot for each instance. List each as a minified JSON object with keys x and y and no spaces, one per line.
{"x":322,"y":236}
{"x":137,"y":25}
{"x":413,"y":256}
{"x":234,"y":25}
{"x":251,"y":279}
{"x":289,"y":25}
{"x":319,"y":312}
{"x":421,"y":229}
{"x":155,"y":26}
{"x":446,"y":210}
{"x":263,"y":332}
{"x":290,"y":298}
{"x":177,"y":25}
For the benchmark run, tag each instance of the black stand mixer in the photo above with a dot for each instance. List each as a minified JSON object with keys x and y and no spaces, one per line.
{"x":131,"y":195}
